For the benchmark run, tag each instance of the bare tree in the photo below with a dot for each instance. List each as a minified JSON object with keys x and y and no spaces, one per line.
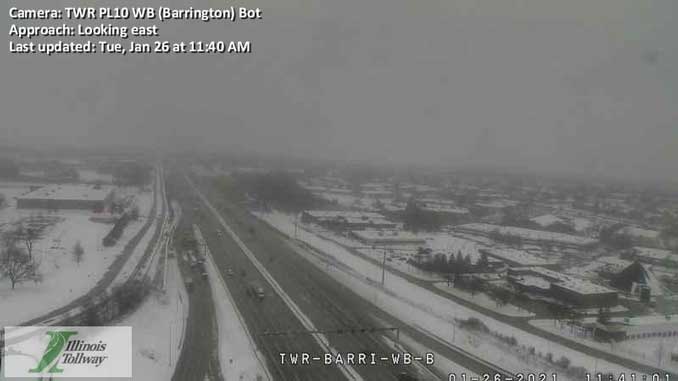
{"x":28,"y":236}
{"x":18,"y":266}
{"x":8,"y":241}
{"x":78,"y":252}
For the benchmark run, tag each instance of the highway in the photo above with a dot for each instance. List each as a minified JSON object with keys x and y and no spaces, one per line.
{"x":242,"y":244}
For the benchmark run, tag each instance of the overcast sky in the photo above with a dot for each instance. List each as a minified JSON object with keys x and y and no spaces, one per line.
{"x":579,"y":85}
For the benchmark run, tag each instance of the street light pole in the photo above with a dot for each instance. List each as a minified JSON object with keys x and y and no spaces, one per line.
{"x":383,"y":269}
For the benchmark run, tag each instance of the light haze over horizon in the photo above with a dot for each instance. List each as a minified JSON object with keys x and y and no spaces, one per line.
{"x":584,"y":86}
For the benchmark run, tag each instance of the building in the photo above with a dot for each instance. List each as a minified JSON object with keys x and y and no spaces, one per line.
{"x":392,"y":237}
{"x":529,"y":236}
{"x":635,"y":278}
{"x":655,"y":256}
{"x":347,"y":220}
{"x":56,"y":197}
{"x":514,"y":257}
{"x":562,"y":287}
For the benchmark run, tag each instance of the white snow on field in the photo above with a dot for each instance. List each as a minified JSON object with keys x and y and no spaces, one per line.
{"x":651,"y":351}
{"x":484,"y":300}
{"x":238,"y":355}
{"x":62,"y":279}
{"x":547,"y":220}
{"x":581,"y":224}
{"x":158,"y":330}
{"x":420,"y":307}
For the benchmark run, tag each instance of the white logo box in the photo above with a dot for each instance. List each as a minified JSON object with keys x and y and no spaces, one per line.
{"x":60,"y":352}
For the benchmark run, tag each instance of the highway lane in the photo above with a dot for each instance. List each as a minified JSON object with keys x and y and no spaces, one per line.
{"x":269,"y":315}
{"x":326,"y":302}
{"x":198,"y":359}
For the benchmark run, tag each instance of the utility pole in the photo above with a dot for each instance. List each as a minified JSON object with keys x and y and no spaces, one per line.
{"x":454,"y":330}
{"x":383,"y":269}
{"x":296,"y":223}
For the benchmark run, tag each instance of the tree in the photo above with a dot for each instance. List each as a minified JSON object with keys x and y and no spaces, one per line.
{"x":483,"y":261}
{"x":28,"y":236}
{"x":459,"y":263}
{"x":418,"y":219}
{"x":467,"y":263}
{"x":17,"y":266}
{"x":134,"y":213}
{"x":78,"y":252}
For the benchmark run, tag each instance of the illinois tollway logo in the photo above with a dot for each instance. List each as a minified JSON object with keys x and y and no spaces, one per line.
{"x":68,"y":352}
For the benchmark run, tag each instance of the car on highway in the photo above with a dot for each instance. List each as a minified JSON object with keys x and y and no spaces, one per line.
{"x":254,"y":290}
{"x":229,"y":272}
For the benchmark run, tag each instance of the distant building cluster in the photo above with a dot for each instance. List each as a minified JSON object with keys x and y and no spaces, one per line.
{"x":59,"y":196}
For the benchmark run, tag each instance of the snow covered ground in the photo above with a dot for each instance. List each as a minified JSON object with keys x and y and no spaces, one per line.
{"x":63,"y":280}
{"x":422,"y":308}
{"x":484,"y":300}
{"x":158,"y":329}
{"x":651,"y":351}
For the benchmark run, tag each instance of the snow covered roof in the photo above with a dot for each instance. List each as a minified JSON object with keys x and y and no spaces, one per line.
{"x":329,"y":214}
{"x":445,"y":209}
{"x":578,"y":285}
{"x":69,"y":192}
{"x":536,"y":235}
{"x":655,"y":254}
{"x":497,"y":204}
{"x":396,"y":236}
{"x":640,"y":233}
{"x":520,"y":257}
{"x":547,"y":220}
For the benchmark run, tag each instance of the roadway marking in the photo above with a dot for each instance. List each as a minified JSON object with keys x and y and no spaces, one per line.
{"x":324,"y":343}
{"x":212,"y":268}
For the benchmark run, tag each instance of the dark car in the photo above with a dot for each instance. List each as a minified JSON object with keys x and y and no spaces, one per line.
{"x":254,"y":290}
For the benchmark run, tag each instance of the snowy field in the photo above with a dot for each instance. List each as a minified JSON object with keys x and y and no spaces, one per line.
{"x":158,"y":329}
{"x":63,"y":280}
{"x":422,"y":308}
{"x":651,"y":351}
{"x":484,"y":300}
